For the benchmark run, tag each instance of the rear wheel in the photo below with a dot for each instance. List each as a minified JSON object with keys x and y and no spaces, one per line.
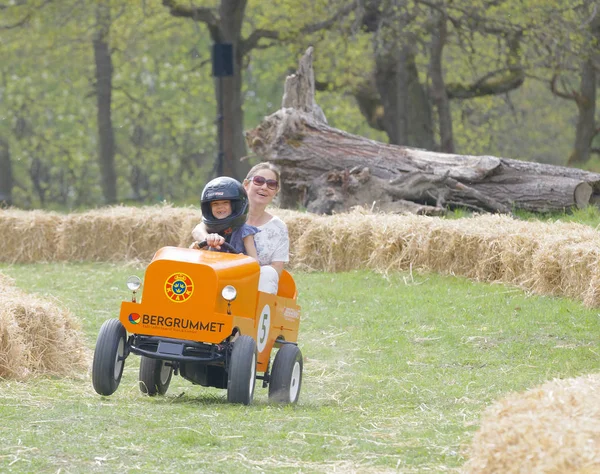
{"x":242,"y":371}
{"x":286,"y":375}
{"x":155,"y":376}
{"x":109,"y":357}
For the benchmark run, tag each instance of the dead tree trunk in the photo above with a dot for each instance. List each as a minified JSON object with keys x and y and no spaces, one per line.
{"x":327,"y":170}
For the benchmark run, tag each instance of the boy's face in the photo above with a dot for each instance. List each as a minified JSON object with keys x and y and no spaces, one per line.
{"x":221,"y":209}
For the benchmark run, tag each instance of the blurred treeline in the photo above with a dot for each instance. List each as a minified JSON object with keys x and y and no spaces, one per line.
{"x":110,"y":101}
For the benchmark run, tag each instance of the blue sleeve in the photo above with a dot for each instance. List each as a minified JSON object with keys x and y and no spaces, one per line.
{"x":249,"y":230}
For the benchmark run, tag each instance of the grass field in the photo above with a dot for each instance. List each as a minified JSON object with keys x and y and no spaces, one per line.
{"x":397,"y":373}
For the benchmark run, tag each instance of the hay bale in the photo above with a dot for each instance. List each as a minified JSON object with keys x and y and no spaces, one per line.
{"x":188,"y":218}
{"x":296,"y":221}
{"x":28,"y":236}
{"x":38,"y":337}
{"x":399,"y":242}
{"x":337,"y":243}
{"x":546,"y":258}
{"x":554,"y":428}
{"x":123,"y":233}
{"x":543,"y":257}
{"x":6,"y":282}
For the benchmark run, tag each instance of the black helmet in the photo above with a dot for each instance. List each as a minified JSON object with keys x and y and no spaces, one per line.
{"x":221,"y":189}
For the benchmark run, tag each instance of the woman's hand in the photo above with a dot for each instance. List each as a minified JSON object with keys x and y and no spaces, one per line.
{"x":215,"y":241}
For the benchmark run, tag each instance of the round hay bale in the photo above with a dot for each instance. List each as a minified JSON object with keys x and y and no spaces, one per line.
{"x":554,"y":428}
{"x":38,"y":337}
{"x":28,"y":236}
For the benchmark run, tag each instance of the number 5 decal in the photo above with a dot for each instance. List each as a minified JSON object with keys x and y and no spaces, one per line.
{"x":264,"y":323}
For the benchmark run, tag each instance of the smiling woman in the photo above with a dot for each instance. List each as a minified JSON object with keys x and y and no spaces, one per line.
{"x":272,"y":241}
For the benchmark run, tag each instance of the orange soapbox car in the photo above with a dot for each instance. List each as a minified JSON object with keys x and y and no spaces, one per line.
{"x":201,"y":316}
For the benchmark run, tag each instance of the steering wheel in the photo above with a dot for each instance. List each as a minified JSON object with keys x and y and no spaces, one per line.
{"x":225,"y":247}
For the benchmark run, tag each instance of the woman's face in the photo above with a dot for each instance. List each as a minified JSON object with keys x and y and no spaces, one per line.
{"x":261,"y":194}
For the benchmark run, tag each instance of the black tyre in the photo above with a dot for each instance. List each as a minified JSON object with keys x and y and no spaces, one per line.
{"x":109,"y":357}
{"x":286,"y":375}
{"x":241,"y":377}
{"x":155,"y":376}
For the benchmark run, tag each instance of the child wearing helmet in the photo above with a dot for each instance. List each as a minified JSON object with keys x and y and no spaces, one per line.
{"x":224,"y":207}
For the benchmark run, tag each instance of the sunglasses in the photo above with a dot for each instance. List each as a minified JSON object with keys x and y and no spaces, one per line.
{"x":260,"y":180}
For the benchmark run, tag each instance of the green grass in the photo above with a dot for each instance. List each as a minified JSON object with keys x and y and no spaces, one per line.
{"x":397,"y":373}
{"x":589,"y":215}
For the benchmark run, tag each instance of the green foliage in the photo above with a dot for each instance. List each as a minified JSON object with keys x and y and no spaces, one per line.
{"x":164,"y":106}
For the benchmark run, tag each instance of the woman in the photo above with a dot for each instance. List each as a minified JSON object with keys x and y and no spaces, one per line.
{"x":272,"y":241}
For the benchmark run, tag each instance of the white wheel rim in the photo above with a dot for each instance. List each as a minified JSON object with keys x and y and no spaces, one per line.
{"x":295,"y":382}
{"x":252,"y":375}
{"x":165,"y":371}
{"x":119,"y":358}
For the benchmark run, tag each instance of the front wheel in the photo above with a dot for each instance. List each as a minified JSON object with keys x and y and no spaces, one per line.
{"x":109,"y":357}
{"x":155,"y":376}
{"x":286,"y":375}
{"x":242,"y":371}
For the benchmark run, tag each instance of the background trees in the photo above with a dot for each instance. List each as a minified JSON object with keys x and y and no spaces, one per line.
{"x":102,"y":102}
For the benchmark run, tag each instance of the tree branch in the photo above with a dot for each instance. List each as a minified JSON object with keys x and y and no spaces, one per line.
{"x":252,"y":40}
{"x":487,"y":85}
{"x":199,"y":14}
{"x":557,"y":93}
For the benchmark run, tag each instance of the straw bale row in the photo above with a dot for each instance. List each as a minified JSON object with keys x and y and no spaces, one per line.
{"x":124,"y":233}
{"x":553,"y":258}
{"x":37,"y":336}
{"x":553,"y":428}
{"x":108,"y":234}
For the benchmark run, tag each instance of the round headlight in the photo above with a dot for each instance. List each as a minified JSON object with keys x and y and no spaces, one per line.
{"x":229,"y":293}
{"x":134,"y":283}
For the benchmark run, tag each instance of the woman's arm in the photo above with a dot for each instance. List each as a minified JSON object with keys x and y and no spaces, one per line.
{"x":199,"y":233}
{"x":250,"y":246}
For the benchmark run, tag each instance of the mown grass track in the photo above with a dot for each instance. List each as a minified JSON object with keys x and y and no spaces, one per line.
{"x":397,"y":373}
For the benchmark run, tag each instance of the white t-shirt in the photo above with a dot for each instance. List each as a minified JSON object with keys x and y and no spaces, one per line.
{"x":272,"y":242}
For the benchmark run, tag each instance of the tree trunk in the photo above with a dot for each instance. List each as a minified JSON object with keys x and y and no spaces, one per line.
{"x":407,"y":111}
{"x":6,"y":177}
{"x":327,"y":170}
{"x":586,"y":120}
{"x":229,"y":30}
{"x":438,"y":87}
{"x":234,"y":146}
{"x":104,"y":70}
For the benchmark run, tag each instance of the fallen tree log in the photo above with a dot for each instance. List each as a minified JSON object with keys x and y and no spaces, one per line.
{"x":329,"y":170}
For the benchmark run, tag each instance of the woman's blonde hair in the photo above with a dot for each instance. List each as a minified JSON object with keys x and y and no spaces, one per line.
{"x":265,"y":165}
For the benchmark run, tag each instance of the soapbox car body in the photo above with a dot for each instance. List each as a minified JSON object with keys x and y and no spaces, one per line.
{"x":201,"y":316}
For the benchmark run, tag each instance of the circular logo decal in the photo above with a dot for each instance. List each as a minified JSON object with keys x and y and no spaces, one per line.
{"x":134,"y":318}
{"x":179,"y":287}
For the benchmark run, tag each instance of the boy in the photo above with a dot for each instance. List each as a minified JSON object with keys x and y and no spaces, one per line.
{"x":224,"y":207}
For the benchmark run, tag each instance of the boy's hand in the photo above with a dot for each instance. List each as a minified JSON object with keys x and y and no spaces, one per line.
{"x":215,"y":241}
